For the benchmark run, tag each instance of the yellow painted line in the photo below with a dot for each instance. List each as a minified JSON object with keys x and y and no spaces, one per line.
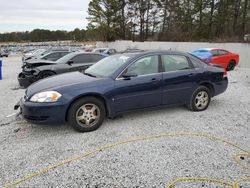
{"x":235,"y":184}
{"x":112,"y":145}
{"x":211,"y":180}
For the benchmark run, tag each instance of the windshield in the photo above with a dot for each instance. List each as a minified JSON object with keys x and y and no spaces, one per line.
{"x":66,"y":58}
{"x":200,"y":51}
{"x":38,"y":52}
{"x":107,"y":66}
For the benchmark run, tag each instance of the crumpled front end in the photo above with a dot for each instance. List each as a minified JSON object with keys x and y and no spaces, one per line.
{"x":27,"y":77}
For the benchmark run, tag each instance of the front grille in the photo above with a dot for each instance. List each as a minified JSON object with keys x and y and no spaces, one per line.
{"x":36,"y":118}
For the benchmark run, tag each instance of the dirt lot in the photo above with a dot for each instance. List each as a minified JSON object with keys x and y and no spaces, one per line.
{"x":159,"y":146}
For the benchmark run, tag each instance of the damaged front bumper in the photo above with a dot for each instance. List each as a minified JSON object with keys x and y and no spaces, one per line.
{"x":42,"y":113}
{"x":27,"y":78}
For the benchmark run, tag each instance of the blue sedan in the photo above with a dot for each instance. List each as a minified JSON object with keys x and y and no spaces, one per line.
{"x":120,"y":84}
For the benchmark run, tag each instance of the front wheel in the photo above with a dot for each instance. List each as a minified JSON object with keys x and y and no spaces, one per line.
{"x":200,"y":99}
{"x":86,"y":114}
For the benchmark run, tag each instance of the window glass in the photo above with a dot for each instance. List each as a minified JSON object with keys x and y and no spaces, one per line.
{"x":175,"y":63}
{"x":96,"y":58}
{"x":52,"y":55}
{"x":222,"y":52}
{"x":107,"y":66}
{"x":146,"y":65}
{"x":196,"y":63}
{"x":83,"y":58}
{"x":63,"y":54}
{"x":215,"y":52}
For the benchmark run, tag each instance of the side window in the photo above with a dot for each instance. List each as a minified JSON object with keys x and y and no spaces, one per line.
{"x":175,"y":63}
{"x":51,"y":56}
{"x":63,"y":54}
{"x":96,"y":58}
{"x":222,"y":52}
{"x":144,"y":66}
{"x":215,"y":52}
{"x":196,"y":63}
{"x":84,"y":58}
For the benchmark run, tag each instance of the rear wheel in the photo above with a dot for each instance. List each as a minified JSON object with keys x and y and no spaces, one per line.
{"x":200,"y":99}
{"x":86,"y":114}
{"x":231,"y":65}
{"x":46,"y":74}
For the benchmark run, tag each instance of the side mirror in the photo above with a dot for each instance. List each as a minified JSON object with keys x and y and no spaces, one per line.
{"x":70,"y":62}
{"x":128,"y":76}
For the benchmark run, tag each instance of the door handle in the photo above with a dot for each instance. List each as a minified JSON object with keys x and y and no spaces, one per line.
{"x":191,"y":74}
{"x":155,"y":80}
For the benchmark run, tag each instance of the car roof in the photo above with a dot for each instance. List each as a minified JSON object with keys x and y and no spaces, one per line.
{"x":56,"y":52}
{"x":152,"y":52}
{"x":93,"y":53}
{"x":209,"y":49}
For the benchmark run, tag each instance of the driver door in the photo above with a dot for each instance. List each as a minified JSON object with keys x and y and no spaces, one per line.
{"x":143,"y":89}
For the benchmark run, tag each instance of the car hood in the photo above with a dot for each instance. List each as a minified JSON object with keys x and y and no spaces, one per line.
{"x":36,"y":61}
{"x":63,"y":80}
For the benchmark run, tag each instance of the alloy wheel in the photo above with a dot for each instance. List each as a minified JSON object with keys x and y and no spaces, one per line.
{"x":88,"y":115}
{"x":201,"y":100}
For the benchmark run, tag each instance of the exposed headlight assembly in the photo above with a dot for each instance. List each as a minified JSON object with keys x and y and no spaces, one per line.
{"x":47,"y":96}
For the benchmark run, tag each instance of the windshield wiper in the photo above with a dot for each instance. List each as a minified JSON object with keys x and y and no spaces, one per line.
{"x":88,"y":74}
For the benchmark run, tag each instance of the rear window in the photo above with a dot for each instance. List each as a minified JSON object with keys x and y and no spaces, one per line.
{"x":196,"y":61}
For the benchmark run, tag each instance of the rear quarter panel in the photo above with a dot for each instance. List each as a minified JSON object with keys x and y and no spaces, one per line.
{"x":225,"y":59}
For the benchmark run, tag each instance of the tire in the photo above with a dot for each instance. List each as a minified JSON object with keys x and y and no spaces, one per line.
{"x":200,"y":99}
{"x":90,"y":111}
{"x":46,"y":74}
{"x":231,"y":65}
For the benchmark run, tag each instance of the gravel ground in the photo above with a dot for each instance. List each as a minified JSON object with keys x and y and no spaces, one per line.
{"x":27,"y":148}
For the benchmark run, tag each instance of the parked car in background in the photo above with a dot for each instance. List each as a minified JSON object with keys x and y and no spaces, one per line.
{"x":122,"y":83}
{"x":4,"y":53}
{"x":36,"y":54}
{"x":39,"y":69}
{"x":132,"y":50}
{"x":33,"y":53}
{"x":222,"y":57}
{"x":51,"y":56}
{"x":105,"y":51}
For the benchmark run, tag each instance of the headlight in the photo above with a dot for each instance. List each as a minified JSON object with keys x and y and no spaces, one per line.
{"x":47,"y":96}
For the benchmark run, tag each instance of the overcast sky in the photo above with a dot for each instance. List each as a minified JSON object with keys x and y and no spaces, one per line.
{"x":26,"y":15}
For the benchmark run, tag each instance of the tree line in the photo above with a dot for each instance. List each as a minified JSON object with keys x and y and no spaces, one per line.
{"x":159,"y":20}
{"x":41,"y":35}
{"x":170,"y":20}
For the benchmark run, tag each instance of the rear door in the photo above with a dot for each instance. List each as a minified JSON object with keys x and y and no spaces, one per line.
{"x":141,"y":91}
{"x":179,"y":79}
